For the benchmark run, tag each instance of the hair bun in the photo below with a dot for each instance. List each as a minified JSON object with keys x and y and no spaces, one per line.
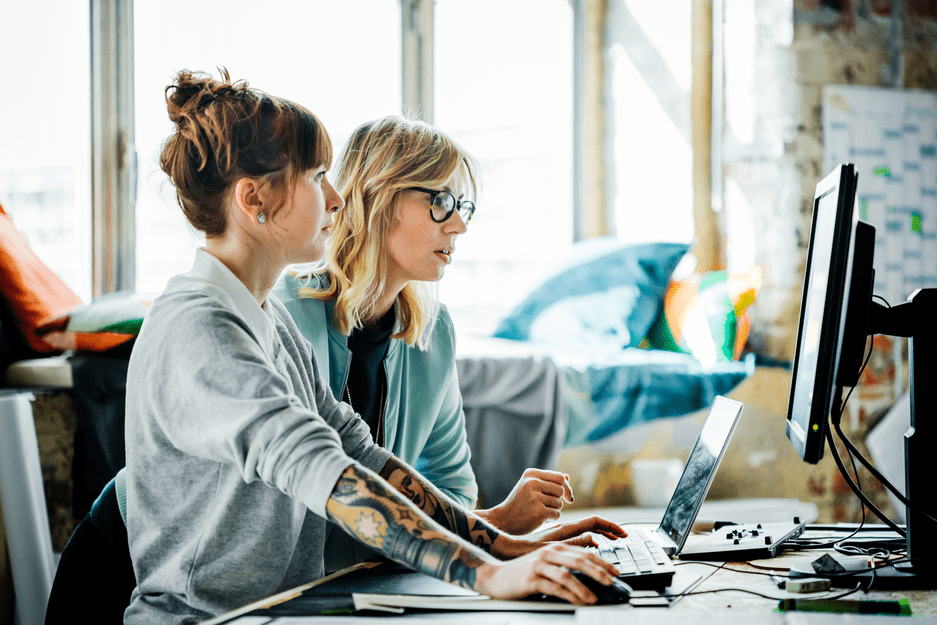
{"x":193,"y":92}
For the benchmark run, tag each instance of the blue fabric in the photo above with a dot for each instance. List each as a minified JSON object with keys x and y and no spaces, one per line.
{"x":608,"y":293}
{"x":591,"y":316}
{"x":611,"y":393}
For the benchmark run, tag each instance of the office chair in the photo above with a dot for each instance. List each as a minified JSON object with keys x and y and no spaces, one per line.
{"x":95,"y":574}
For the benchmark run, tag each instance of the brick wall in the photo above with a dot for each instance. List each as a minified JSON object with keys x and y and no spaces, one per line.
{"x":773,"y":176}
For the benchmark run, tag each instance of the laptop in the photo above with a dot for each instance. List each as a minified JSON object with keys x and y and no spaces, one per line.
{"x":643,"y":557}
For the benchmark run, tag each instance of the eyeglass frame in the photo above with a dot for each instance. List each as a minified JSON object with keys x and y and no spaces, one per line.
{"x":457,"y":205}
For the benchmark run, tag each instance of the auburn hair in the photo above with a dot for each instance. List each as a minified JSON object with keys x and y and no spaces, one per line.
{"x":228,"y":130}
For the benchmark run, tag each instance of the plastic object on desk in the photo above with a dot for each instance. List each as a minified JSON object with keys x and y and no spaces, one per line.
{"x":848,"y":571}
{"x":901,"y":607}
{"x":744,"y":542}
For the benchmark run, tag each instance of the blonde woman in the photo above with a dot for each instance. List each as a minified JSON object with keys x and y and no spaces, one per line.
{"x":388,"y":346}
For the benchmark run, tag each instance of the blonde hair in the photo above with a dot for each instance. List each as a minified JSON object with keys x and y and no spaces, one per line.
{"x":382,"y":159}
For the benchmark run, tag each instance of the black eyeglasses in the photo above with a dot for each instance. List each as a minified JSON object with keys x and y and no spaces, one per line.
{"x":443,"y":203}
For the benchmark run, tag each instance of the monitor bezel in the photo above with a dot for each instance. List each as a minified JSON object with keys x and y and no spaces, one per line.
{"x":808,"y":441}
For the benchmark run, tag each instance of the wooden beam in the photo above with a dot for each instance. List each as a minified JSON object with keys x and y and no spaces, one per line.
{"x":708,"y":247}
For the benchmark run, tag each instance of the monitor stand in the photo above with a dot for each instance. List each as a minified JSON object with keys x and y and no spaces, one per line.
{"x":915,"y":319}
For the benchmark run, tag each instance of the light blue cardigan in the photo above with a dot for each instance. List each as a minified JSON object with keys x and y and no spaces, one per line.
{"x":424,"y":424}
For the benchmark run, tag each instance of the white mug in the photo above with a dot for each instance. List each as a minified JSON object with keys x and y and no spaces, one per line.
{"x":655,"y":480}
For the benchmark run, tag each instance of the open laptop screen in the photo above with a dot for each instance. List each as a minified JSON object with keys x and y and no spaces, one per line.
{"x":700,"y":470}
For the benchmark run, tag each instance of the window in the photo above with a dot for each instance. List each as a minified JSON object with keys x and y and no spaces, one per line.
{"x":304,"y":51}
{"x":503,"y":90}
{"x":648,"y":71}
{"x":44,"y":133}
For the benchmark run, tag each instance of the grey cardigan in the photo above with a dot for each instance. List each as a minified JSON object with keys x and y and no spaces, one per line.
{"x":234,"y":444}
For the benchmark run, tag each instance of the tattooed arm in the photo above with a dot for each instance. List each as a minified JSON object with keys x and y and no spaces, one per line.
{"x":368,"y":508}
{"x":480,"y":530}
{"x":449,"y":514}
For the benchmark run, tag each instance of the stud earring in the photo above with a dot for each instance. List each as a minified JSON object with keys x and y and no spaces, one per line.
{"x":261,"y":218}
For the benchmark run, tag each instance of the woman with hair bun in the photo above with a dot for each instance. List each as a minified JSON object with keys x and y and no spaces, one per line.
{"x":384,"y":344}
{"x":237,"y":451}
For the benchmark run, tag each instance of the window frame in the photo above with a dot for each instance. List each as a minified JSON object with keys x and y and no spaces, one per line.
{"x":113,"y":154}
{"x":114,"y":159}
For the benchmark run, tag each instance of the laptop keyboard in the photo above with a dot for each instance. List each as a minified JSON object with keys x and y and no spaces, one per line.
{"x":641,"y":561}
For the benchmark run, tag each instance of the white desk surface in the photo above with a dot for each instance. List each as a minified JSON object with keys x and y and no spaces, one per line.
{"x":728,"y":606}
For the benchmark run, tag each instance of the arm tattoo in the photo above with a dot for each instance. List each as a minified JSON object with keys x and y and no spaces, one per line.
{"x":437,"y":506}
{"x":370,"y":510}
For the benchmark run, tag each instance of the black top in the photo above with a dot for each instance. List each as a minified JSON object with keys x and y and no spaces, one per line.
{"x":364,"y":389}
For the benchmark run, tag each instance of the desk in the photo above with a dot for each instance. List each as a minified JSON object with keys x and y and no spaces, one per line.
{"x":700,"y":607}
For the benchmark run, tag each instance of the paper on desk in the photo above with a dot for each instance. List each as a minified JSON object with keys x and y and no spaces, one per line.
{"x":397,"y":603}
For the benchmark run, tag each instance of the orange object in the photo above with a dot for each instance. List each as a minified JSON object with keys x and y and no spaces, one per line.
{"x":32,"y":291}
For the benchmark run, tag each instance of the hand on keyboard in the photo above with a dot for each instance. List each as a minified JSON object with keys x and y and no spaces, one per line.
{"x":577,"y":533}
{"x":641,"y":562}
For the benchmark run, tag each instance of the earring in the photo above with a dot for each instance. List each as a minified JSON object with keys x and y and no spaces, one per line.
{"x":261,"y":217}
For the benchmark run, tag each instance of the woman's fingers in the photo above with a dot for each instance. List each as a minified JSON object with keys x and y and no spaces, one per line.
{"x":548,"y":570}
{"x":559,"y":582}
{"x":550,"y":501}
{"x":545,"y":487}
{"x":601,"y":526}
{"x":579,"y":559}
{"x":546,"y":475}
{"x":551,"y":482}
{"x":552,"y":588}
{"x":556,"y":568}
{"x":583,"y":540}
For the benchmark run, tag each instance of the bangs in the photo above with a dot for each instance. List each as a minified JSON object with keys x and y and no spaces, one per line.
{"x":467,"y":171}
{"x":454,"y":163}
{"x":308,"y":141}
{"x":435,"y":164}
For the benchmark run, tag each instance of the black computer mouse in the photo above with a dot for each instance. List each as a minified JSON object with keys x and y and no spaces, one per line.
{"x":618,"y":592}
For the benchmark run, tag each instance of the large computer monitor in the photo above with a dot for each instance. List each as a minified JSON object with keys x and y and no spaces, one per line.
{"x":833,"y":313}
{"x":837,"y":316}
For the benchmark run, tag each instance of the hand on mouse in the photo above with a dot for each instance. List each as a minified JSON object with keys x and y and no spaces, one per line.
{"x":548,"y":570}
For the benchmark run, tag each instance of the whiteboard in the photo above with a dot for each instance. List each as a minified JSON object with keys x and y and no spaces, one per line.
{"x":890,"y":135}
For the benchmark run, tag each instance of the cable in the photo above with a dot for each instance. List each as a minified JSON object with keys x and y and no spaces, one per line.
{"x":901,"y":497}
{"x":715,"y":590}
{"x":836,"y":414}
{"x":775,"y":574}
{"x":855,"y":487}
{"x":849,"y":592}
{"x":724,"y":567}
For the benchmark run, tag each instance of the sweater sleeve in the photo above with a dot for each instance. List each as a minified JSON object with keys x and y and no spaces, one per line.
{"x":445,"y":460}
{"x":215,"y":394}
